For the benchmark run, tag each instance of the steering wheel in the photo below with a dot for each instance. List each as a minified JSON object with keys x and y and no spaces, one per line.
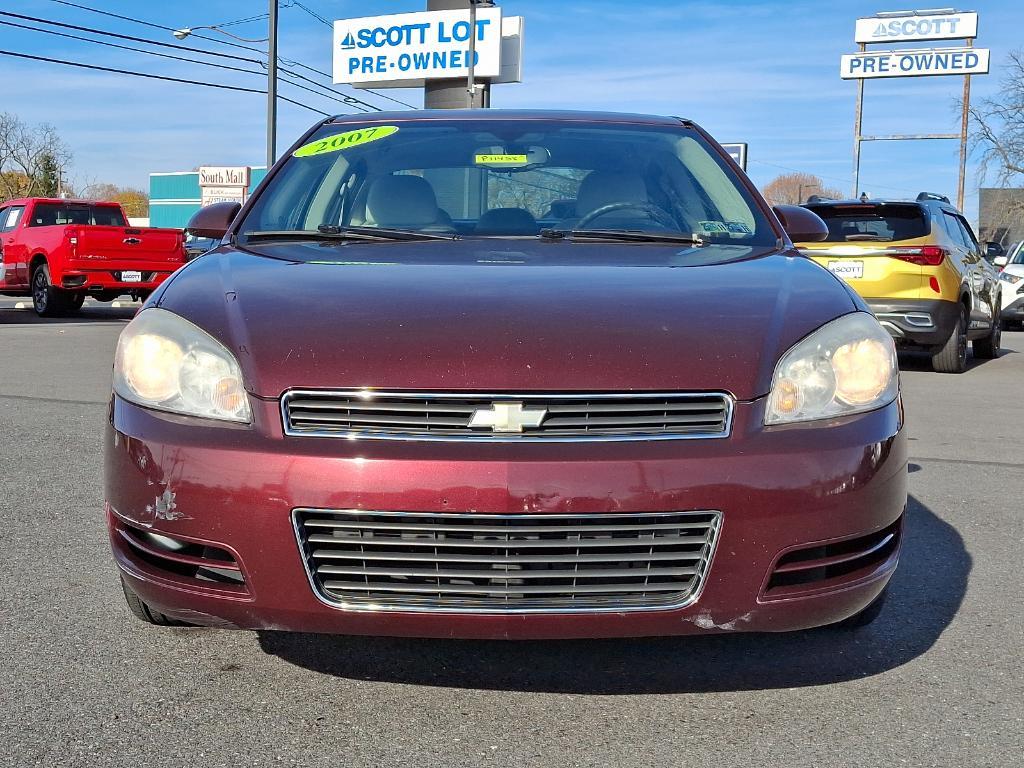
{"x":653,"y":212}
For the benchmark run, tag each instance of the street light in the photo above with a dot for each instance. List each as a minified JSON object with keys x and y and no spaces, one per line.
{"x":271,"y":40}
{"x":184,"y":32}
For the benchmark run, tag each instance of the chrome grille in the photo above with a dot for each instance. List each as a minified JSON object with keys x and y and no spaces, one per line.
{"x":443,"y":416}
{"x":506,"y":563}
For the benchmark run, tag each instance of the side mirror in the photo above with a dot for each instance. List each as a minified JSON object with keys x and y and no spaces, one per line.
{"x":999,"y":261}
{"x":993,"y":250}
{"x":213,"y":220}
{"x":801,"y":224}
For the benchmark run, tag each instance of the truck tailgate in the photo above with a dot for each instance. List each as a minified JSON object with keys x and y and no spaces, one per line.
{"x":130,"y":245}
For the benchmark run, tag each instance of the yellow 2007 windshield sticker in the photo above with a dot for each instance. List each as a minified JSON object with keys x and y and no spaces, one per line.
{"x":345,"y":140}
{"x":506,"y":161}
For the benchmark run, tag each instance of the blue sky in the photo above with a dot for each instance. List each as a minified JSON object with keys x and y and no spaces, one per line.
{"x":761,"y":72}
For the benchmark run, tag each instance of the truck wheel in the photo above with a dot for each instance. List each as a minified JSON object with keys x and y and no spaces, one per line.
{"x":952,"y":358}
{"x":988,"y":348}
{"x":46,"y":300}
{"x":144,"y":612}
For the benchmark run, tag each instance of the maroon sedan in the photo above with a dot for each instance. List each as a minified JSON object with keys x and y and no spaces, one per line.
{"x":505,"y":375}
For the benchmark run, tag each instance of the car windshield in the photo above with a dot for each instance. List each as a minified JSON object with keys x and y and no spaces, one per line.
{"x":872,"y":222}
{"x":1017,"y":255}
{"x":509,"y":178}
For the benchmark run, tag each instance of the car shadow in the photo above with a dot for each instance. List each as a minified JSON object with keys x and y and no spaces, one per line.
{"x":924,"y":596}
{"x":90,"y":313}
{"x":922,"y":361}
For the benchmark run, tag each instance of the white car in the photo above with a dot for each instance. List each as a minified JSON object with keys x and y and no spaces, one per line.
{"x":1012,"y":277}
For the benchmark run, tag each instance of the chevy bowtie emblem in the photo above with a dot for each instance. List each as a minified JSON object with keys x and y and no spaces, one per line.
{"x":507,"y":417}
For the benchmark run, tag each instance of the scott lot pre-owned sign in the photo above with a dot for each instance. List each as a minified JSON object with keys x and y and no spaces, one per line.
{"x":934,"y":61}
{"x":896,"y":27}
{"x":416,"y":46}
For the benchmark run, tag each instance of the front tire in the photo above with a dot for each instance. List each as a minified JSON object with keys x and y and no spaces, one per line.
{"x":952,"y":358}
{"x":46,"y":299}
{"x":866,"y":615}
{"x":988,"y":348}
{"x":144,"y":612}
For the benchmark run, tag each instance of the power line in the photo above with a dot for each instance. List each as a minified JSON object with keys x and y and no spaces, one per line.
{"x":351,"y":100}
{"x":151,"y":24}
{"x":312,"y":13}
{"x":129,"y":37}
{"x":155,"y":77}
{"x":129,"y":48}
{"x":333,"y":95}
{"x":327,"y":23}
{"x":344,"y":98}
{"x":246,"y":20}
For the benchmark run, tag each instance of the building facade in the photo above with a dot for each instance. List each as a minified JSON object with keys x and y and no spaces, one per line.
{"x":175,"y":196}
{"x":1001,"y":215}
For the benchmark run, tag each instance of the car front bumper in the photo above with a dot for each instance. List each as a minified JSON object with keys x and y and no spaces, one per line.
{"x":1013,"y":311}
{"x":778,"y":490}
{"x":923,"y":322}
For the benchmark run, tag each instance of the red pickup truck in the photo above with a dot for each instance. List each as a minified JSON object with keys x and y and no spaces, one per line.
{"x":60,"y":251}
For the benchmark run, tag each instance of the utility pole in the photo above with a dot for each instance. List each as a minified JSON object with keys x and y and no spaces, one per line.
{"x":272,"y":85}
{"x":452,"y":94}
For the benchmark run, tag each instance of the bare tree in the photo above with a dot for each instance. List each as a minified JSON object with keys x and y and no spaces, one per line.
{"x":28,"y":157}
{"x":795,"y":188}
{"x":999,"y":137}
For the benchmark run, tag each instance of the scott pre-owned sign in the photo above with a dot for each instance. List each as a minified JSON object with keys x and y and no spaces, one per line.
{"x":931,"y":26}
{"x":416,"y":46}
{"x":934,"y":61}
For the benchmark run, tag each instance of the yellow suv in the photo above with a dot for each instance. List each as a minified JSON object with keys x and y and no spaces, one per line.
{"x":920,"y":268}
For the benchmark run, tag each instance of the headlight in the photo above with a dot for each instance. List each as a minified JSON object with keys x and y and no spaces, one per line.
{"x":165,"y":362}
{"x":1011,"y":279}
{"x":847,"y":366}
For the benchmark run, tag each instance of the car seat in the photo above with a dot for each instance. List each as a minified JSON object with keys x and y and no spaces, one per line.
{"x":507,"y":221}
{"x":404,"y":202}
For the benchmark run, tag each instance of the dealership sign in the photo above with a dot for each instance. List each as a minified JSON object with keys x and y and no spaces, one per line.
{"x":416,"y":47}
{"x":932,"y":61}
{"x":899,"y":27}
{"x":224,"y":184}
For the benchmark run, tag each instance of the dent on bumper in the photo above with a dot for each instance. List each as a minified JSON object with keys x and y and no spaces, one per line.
{"x":235,"y":488}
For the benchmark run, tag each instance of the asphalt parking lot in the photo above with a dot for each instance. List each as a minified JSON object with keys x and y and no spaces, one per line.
{"x":936,"y":681}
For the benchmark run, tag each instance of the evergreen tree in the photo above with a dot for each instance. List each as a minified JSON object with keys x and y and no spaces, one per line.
{"x":49,"y":175}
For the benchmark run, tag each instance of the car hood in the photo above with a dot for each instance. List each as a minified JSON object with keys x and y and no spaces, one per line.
{"x":506,"y":315}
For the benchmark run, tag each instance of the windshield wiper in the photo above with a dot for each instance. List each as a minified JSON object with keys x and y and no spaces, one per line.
{"x":331,"y":233}
{"x":620,"y":235}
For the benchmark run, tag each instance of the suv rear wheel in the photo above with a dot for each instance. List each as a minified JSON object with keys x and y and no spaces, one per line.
{"x":952,"y":358}
{"x":988,"y":348}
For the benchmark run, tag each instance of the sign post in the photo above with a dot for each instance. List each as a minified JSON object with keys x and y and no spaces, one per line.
{"x":915,"y":26}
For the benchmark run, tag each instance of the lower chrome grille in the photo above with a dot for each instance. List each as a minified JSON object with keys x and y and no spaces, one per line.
{"x":371,"y":414}
{"x":506,"y":563}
